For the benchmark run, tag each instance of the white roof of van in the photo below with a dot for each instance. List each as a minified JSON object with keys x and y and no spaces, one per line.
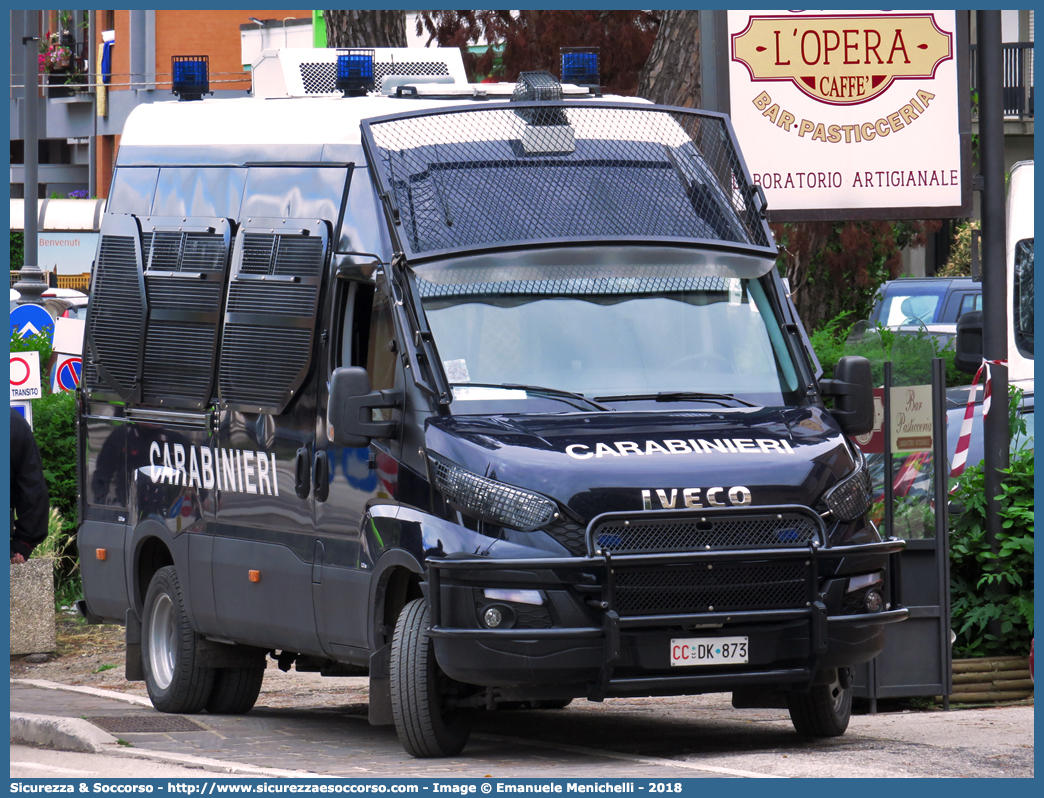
{"x":285,"y":120}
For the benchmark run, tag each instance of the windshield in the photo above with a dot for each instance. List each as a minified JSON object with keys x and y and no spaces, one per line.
{"x":659,"y":330}
{"x":910,"y":303}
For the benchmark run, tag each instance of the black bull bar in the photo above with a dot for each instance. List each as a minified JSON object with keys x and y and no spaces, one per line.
{"x":604,"y":597}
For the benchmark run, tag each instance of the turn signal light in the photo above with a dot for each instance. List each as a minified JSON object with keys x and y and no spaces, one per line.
{"x":254,"y":576}
{"x":101,"y":554}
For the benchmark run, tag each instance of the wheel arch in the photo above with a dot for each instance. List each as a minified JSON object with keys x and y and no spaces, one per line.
{"x":396,"y":581}
{"x":152,"y":548}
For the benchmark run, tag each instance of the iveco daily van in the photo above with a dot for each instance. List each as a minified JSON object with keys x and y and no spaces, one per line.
{"x":490,"y":392}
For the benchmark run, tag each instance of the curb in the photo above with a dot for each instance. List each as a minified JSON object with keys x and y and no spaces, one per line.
{"x":67,"y":734}
{"x":77,"y":734}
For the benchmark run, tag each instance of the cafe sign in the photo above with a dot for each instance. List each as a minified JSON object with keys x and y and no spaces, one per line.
{"x":911,"y":407}
{"x":849,"y":115}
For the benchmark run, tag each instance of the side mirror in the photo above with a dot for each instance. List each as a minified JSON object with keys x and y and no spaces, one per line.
{"x":350,"y":410}
{"x":853,"y":392}
{"x":968,"y":346}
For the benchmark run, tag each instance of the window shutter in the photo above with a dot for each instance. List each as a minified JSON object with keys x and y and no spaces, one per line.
{"x":186,"y":263}
{"x":116,"y":319}
{"x":266,"y":343}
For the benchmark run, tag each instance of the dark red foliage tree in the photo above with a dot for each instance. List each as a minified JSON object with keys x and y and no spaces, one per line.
{"x":531,"y":40}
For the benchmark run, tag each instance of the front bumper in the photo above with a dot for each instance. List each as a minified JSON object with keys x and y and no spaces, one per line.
{"x":608,"y":647}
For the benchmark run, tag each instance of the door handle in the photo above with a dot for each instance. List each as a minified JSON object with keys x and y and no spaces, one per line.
{"x":321,"y":476}
{"x":302,"y":476}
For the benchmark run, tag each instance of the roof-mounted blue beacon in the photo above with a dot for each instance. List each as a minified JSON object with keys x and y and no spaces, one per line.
{"x":355,"y":72}
{"x":190,"y":76}
{"x":580,"y":66}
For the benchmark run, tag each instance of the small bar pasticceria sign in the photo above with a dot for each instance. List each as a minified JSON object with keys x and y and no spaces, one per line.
{"x":848,"y":111}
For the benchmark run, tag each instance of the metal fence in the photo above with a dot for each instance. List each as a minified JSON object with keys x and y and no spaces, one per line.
{"x":1018,"y":78}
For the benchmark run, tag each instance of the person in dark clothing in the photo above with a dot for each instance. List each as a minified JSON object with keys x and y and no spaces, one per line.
{"x":29,"y":499}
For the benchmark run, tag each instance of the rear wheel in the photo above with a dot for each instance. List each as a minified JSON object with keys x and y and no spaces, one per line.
{"x":426,"y":727}
{"x":173,"y":676}
{"x":824,"y":711}
{"x":235,"y":690}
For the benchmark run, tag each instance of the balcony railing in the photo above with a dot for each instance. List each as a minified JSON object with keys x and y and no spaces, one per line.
{"x":1018,"y":78}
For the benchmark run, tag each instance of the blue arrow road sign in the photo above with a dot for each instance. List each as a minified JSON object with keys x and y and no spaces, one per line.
{"x":31,"y":319}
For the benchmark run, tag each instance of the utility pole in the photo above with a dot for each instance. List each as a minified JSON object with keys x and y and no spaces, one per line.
{"x":31,"y":283}
{"x":994,"y":268}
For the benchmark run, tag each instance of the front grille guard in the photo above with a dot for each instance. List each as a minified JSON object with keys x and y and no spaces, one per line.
{"x":815,"y":613}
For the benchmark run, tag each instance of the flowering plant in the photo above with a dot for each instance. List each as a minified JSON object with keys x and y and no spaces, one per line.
{"x":58,"y":57}
{"x":54,"y":56}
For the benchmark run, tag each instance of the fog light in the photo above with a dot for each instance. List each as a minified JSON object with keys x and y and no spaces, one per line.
{"x":492,"y":617}
{"x":873,"y":601}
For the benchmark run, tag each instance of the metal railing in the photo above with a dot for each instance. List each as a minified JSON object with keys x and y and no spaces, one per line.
{"x":1018,"y":78}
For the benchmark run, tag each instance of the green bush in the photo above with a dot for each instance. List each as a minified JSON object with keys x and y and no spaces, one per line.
{"x":911,"y":354}
{"x":54,"y":427}
{"x":987,"y":586}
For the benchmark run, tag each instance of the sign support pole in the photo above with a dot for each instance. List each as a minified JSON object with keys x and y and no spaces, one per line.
{"x":31,"y":284}
{"x":994,"y":270}
{"x":714,"y":61}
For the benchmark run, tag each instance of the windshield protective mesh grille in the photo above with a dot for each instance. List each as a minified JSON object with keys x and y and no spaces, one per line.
{"x":595,"y":286}
{"x":528,"y":172}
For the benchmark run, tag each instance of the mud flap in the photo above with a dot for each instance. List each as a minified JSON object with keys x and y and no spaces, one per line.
{"x":380,"y":687}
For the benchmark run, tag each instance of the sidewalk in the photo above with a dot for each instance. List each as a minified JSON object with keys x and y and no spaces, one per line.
{"x":295,"y":742}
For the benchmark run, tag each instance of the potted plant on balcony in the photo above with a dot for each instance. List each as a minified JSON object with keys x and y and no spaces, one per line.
{"x":59,"y":65}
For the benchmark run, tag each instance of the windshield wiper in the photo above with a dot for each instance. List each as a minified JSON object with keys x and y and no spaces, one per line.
{"x":554,"y":393}
{"x":677,"y":396}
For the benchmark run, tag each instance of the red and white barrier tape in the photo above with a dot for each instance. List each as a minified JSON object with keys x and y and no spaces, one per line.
{"x":960,"y":457}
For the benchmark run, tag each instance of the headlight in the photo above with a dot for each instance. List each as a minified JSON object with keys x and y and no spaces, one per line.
{"x":493,"y":500}
{"x":850,"y":498}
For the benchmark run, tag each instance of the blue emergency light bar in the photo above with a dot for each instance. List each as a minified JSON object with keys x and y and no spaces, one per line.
{"x":354,"y":72}
{"x":190,"y":76}
{"x":580,"y":66}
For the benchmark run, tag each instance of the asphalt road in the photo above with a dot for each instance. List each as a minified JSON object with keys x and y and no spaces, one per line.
{"x":665,"y":738}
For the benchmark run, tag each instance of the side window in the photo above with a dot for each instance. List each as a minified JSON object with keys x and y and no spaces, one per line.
{"x":186,"y":263}
{"x":356,"y":310}
{"x":970,"y":302}
{"x":381,"y":349}
{"x":270,"y":313}
{"x":1022,"y":300}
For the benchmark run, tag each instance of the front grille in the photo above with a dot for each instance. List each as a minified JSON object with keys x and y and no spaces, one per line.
{"x":722,"y":587}
{"x":637,"y":535}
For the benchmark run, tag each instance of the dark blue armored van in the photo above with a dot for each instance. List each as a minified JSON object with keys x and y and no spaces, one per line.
{"x":489,"y":392}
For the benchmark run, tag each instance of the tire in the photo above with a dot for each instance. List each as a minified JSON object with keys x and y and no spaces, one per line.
{"x":824,"y":711}
{"x":418,"y":686}
{"x":173,"y":676}
{"x":235,"y":690}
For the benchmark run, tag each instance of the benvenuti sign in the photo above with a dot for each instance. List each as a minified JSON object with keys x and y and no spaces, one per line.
{"x":847,"y":115}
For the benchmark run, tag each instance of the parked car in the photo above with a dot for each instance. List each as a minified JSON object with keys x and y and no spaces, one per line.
{"x":957,"y":402}
{"x":934,"y":302}
{"x":60,"y":302}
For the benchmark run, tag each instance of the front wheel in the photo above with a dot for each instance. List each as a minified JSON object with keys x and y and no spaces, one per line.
{"x":426,"y":727}
{"x":235,"y":690}
{"x":824,"y":711}
{"x":173,"y":676}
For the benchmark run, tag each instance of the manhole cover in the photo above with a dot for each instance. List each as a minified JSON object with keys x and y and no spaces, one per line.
{"x":129,"y":724}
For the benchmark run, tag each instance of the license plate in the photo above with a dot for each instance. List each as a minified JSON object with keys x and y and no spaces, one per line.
{"x":709,"y":651}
